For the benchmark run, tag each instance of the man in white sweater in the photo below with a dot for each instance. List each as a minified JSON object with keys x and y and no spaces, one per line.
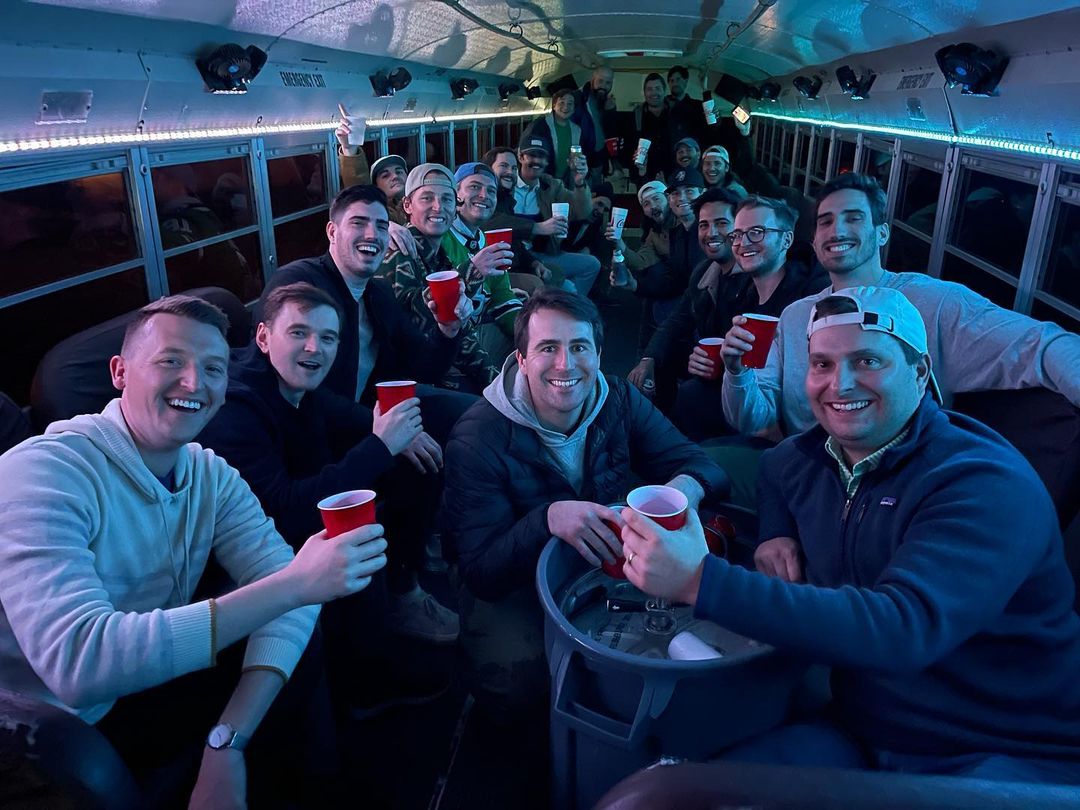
{"x":107,"y":522}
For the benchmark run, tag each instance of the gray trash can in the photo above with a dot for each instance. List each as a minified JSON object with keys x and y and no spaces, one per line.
{"x":613,"y":713}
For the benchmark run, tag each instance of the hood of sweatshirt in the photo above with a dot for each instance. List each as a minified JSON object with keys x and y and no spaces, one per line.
{"x":509,"y":394}
{"x":109,"y":433}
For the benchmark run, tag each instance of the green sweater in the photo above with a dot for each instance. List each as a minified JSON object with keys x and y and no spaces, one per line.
{"x":503,"y":306}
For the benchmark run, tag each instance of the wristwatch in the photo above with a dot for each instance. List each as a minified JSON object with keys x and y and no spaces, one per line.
{"x":225,"y":736}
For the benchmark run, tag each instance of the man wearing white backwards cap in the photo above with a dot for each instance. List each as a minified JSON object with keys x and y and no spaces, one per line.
{"x":912,"y":549}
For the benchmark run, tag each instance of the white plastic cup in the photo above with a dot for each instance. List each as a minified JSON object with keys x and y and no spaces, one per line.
{"x":561,"y":210}
{"x":618,"y":221}
{"x":641,"y":154}
{"x":710,"y":113}
{"x":357,"y":125}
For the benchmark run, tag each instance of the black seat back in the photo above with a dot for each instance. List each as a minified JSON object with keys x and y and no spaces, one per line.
{"x":73,"y":377}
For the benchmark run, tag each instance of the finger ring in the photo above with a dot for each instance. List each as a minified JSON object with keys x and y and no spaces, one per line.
{"x":630,"y":558}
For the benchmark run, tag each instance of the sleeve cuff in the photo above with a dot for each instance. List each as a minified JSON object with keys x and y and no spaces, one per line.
{"x":190,"y":627}
{"x":742,"y":381}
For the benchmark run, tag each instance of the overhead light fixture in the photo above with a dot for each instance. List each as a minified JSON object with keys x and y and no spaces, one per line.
{"x":459,"y":88}
{"x":507,"y":90}
{"x":770,"y":91}
{"x":230,"y":68}
{"x":975,"y":69}
{"x":809,"y":87}
{"x":386,"y":84}
{"x":533,"y":93}
{"x":622,"y":54}
{"x":851,"y":84}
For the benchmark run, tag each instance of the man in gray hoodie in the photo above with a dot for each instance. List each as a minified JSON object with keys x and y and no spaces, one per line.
{"x":550,"y":445}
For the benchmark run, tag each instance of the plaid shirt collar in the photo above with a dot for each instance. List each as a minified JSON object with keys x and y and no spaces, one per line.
{"x":852,"y":476}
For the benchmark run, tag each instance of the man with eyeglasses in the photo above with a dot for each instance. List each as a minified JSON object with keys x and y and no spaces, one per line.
{"x":974,"y":344}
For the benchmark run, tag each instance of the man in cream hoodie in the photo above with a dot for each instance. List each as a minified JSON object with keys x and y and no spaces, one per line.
{"x":551,"y":444}
{"x":107,"y":523}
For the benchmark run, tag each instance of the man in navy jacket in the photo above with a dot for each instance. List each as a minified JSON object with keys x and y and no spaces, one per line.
{"x":911,"y":548}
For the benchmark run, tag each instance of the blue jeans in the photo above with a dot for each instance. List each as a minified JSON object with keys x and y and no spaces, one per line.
{"x":579,"y":269}
{"x":822,"y":744}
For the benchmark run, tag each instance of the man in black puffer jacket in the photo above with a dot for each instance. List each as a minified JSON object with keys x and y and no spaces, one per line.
{"x":550,"y":444}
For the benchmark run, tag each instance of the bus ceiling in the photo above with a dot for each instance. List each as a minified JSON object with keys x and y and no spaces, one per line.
{"x":126,"y":68}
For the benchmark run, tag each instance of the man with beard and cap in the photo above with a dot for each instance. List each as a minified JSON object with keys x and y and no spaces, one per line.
{"x":551,"y":443}
{"x":595,"y":114}
{"x":716,"y":168}
{"x":687,"y":154}
{"x":913,"y":550}
{"x":534,"y":195}
{"x":656,"y":245}
{"x":431,"y":203}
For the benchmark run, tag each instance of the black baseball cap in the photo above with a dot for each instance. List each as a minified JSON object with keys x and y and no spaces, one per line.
{"x":686,"y":177}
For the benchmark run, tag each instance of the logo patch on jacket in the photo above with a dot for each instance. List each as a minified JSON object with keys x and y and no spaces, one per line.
{"x":888,"y":502}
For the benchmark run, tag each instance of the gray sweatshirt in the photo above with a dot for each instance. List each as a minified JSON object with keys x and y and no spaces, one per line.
{"x":974,"y":346}
{"x":509,"y":393}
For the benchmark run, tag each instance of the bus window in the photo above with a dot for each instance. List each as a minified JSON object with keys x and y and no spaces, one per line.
{"x":846,"y":161}
{"x":371,"y":146}
{"x":908,"y":252}
{"x":821,"y":158}
{"x":981,"y":280}
{"x":406,"y":147}
{"x":35,"y":326}
{"x":803,"y":158}
{"x":300,"y":238}
{"x":200,"y":201}
{"x":462,"y":144}
{"x":437,"y":151}
{"x":878,"y":165}
{"x":60,"y":230}
{"x":1062,"y":277}
{"x":484,"y":139}
{"x":993,"y":218}
{"x":296,"y":183}
{"x":918,"y":197}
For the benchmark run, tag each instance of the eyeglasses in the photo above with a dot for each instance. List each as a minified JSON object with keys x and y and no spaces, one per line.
{"x":755,"y":235}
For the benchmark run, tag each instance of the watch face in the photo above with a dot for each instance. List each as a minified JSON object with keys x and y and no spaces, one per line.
{"x":220,"y":736}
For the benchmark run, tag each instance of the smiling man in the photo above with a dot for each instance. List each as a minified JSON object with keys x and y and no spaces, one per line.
{"x":975,"y":345}
{"x":431,"y":203}
{"x":912,"y":549}
{"x":552,"y":443}
{"x":108,"y":522}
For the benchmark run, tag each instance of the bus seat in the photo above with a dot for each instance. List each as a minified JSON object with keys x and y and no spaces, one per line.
{"x":73,"y":377}
{"x":50,"y":758}
{"x":1045,"y":428}
{"x":771,"y":787}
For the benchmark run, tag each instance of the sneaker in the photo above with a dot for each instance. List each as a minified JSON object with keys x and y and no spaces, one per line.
{"x":418,"y":614}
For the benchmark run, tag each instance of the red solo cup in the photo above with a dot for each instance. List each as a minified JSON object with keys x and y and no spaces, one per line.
{"x":347,"y":511}
{"x":445,"y":291}
{"x":719,"y":535}
{"x":500,"y":236}
{"x":391,"y":393}
{"x":615,"y":569}
{"x":711,"y":347}
{"x":763,"y":328}
{"x":664,"y":505}
{"x":612,"y":145}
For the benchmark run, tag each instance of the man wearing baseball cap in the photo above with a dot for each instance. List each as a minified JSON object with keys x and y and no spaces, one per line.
{"x":716,"y":167}
{"x":535,"y":194}
{"x":687,"y":154}
{"x":431,"y":204}
{"x":911,"y":548}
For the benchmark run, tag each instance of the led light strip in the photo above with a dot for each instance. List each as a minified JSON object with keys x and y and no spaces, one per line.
{"x":34,"y":144}
{"x":1044,"y":150}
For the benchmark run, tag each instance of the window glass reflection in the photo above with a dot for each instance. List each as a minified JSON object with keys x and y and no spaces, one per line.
{"x":846,"y":161}
{"x":1062,"y":278}
{"x":821,"y":154}
{"x":196,"y":201}
{"x":1000,"y":292}
{"x":406,"y":147}
{"x":234,"y":264}
{"x":907,"y":253}
{"x":918,"y":201}
{"x":878,"y":165}
{"x":1042,"y":311}
{"x":462,"y":145}
{"x":37,"y":325}
{"x":60,"y":230}
{"x":483,"y":140}
{"x":994,"y":217}
{"x":436,"y":147}
{"x":301,"y":238}
{"x":296,"y":182}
